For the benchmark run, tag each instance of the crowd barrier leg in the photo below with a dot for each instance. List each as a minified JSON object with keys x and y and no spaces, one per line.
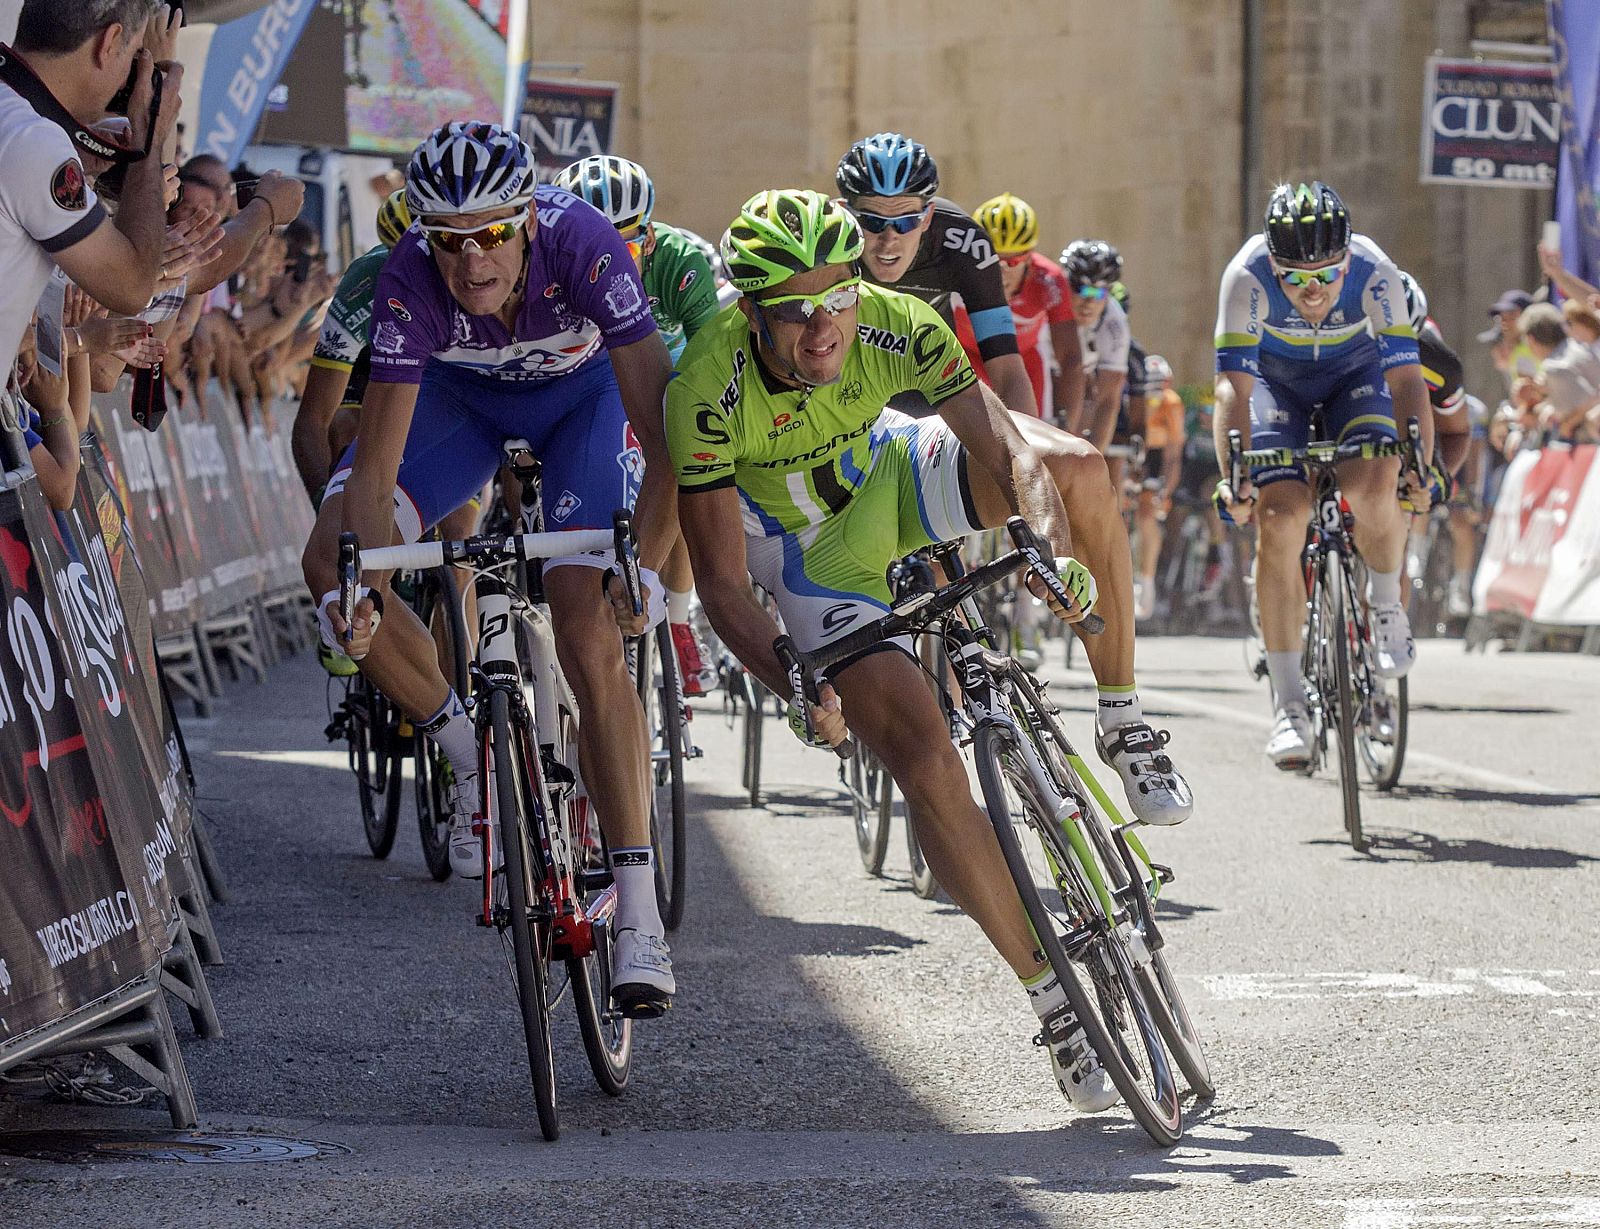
{"x":210,"y":866}
{"x":136,"y":1030}
{"x":182,"y":977}
{"x":1591,"y":642}
{"x":183,"y":666}
{"x":191,"y":896}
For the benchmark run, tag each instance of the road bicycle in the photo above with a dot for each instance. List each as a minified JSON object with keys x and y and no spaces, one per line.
{"x":1349,"y":705}
{"x":547,"y":887}
{"x":1082,"y":873}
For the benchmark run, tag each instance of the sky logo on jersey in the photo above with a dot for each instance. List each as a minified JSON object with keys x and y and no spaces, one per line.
{"x":600,"y":266}
{"x":399,"y":309}
{"x":688,"y":280}
{"x":971,"y":243}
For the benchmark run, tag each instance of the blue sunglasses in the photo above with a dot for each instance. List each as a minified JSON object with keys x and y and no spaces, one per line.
{"x":902,"y":224}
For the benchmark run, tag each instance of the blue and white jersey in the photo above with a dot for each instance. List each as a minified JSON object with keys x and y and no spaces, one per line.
{"x":1257,"y":323}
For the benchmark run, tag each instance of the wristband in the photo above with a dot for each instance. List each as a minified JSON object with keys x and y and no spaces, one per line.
{"x":54,"y":422}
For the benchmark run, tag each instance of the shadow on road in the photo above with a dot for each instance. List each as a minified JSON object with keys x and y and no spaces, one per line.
{"x":1404,"y":848}
{"x":1503,"y":710}
{"x":1472,"y":793}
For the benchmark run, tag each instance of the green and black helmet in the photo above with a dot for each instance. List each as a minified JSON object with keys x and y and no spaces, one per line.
{"x":787,"y":231}
{"x":1307,"y":223}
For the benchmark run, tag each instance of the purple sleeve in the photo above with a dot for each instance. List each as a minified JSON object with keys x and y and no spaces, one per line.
{"x":409,"y":320}
{"x":604,"y":283}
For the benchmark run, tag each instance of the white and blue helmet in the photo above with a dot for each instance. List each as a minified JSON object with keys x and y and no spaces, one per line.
{"x":887,"y":164}
{"x":616,"y":187}
{"x":469,"y":167}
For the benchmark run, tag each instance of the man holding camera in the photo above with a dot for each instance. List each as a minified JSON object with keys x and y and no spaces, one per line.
{"x":68,"y":64}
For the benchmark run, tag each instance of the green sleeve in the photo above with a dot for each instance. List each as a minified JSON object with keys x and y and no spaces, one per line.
{"x":935,"y":364}
{"x":699,"y":437}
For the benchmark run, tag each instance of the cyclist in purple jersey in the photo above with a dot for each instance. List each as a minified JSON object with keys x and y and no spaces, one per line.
{"x":515,"y":312}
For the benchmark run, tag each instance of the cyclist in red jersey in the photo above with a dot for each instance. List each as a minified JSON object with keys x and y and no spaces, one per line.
{"x":1039,"y":295}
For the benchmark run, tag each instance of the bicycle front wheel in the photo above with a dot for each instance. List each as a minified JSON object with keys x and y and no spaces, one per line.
{"x":530,"y":931}
{"x":375,"y":760}
{"x":1339,"y":688}
{"x":755,"y":703}
{"x":656,"y":665}
{"x":1105,"y":992}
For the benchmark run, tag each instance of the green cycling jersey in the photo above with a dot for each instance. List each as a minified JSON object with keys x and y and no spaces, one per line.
{"x":680,"y":286}
{"x":342,"y":345}
{"x":797,"y":455}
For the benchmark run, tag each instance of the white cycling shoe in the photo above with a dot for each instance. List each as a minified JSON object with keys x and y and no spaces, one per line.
{"x":1157,"y":792}
{"x":1394,"y":651}
{"x":642,"y":984}
{"x":1289,"y":745}
{"x":1079,"y":1074}
{"x":466,"y":848}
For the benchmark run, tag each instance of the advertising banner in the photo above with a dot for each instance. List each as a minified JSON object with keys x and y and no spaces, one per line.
{"x":1571,"y":593}
{"x":1532,"y":516}
{"x":242,"y":65}
{"x":75,"y":922}
{"x":565,"y":120}
{"x":1575,"y":39}
{"x":1484,"y":122}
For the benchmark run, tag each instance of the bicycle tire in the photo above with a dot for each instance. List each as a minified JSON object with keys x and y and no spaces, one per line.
{"x":530,"y":936}
{"x":656,"y":677}
{"x":1157,"y":1110}
{"x":871,"y":805}
{"x":607,"y":1033}
{"x":430,"y":767}
{"x":377,"y":769}
{"x":1336,"y":593}
{"x":755,"y":703}
{"x":1383,"y":768}
{"x":923,"y":881}
{"x":1161,"y":987}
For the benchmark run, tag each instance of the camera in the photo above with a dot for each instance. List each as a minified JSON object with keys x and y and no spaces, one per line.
{"x":110,"y":183}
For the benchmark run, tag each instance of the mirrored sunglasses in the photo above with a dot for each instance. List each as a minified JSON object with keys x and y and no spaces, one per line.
{"x":1304,"y":277}
{"x":484,"y":238}
{"x":799,"y":308}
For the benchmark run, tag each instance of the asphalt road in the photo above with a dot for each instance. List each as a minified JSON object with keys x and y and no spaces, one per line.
{"x":1400,"y":1038}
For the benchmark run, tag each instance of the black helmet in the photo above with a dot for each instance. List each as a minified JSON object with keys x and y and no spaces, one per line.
{"x":887,"y":164}
{"x":1091,"y":261}
{"x":1306,"y":223}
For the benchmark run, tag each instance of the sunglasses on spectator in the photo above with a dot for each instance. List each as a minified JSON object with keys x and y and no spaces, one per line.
{"x":1091,"y":290}
{"x":484,"y":238}
{"x":901,"y":224}
{"x":799,"y":308}
{"x":1327,"y":275}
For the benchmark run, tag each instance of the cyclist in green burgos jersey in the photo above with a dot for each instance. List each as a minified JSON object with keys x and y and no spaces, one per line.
{"x":791,"y":472}
{"x":682,"y":289}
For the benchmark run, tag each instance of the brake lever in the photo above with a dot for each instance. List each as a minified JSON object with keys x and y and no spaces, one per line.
{"x":627,"y":559}
{"x":349,"y":579}
{"x":803,"y":689}
{"x":1043,"y":566}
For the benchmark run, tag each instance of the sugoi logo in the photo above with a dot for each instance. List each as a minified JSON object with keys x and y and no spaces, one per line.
{"x":781,"y":419}
{"x":705,"y":456}
{"x":688,"y":280}
{"x":839,"y":616}
{"x":950,"y":368}
{"x":399,"y":309}
{"x":600,"y":266}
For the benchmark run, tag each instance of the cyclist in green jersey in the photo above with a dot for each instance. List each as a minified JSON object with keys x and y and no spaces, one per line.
{"x":682,"y":290}
{"x":791,"y":472}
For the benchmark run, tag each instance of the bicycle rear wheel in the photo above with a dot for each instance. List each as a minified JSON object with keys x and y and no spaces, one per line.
{"x":872,"y":803}
{"x":515,"y":812}
{"x":1338,"y":688}
{"x":1106,"y":994}
{"x":1385,"y":725}
{"x":923,"y":882}
{"x":656,"y":676}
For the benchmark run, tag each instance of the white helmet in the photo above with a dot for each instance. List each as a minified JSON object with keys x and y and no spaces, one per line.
{"x":1156,"y":369}
{"x":616,"y":187}
{"x":469,"y":167}
{"x":1416,"y":301}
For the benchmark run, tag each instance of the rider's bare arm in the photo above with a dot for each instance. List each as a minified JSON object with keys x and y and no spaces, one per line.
{"x":643,"y":369}
{"x":1011,"y":384}
{"x":1410,"y":394}
{"x":1069,"y":368}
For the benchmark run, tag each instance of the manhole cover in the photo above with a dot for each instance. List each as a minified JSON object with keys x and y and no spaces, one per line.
{"x":185,"y":1147}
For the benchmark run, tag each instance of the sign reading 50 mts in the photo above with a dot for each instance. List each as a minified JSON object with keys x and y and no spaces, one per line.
{"x":1493,"y":123}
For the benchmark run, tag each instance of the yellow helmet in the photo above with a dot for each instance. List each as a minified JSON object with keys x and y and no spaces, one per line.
{"x":1011,"y":223}
{"x":394,"y":218}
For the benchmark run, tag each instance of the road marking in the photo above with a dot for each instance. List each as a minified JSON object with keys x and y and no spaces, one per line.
{"x":1482,"y":1210}
{"x":1508,"y":983}
{"x":1469,"y":772}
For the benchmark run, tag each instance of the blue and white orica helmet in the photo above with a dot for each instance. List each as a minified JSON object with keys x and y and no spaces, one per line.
{"x":469,"y":167}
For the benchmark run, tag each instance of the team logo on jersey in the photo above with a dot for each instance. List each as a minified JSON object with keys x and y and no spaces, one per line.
{"x":565,"y":507}
{"x":552,"y":290}
{"x":781,"y":419}
{"x":881,"y":339}
{"x":705,"y":456}
{"x":850,"y":392}
{"x":599,"y":267}
{"x":623,"y":299}
{"x":950,"y":368}
{"x":927,"y":347}
{"x":688,"y":280}
{"x":67,"y":187}
{"x":460,"y":330}
{"x":387,"y":338}
{"x":840,"y":615}
{"x":399,"y":309}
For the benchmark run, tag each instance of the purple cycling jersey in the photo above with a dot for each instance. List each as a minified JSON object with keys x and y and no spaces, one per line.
{"x":583,"y":293}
